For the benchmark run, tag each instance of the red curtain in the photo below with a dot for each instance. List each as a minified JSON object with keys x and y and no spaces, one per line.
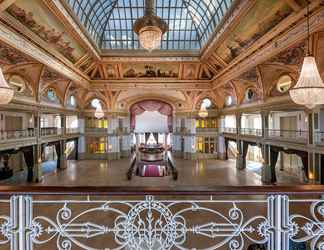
{"x":151,"y":105}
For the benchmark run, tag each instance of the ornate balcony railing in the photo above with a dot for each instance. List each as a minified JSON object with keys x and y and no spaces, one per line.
{"x":51,"y":131}
{"x":16,"y":134}
{"x":96,"y":130}
{"x":229,"y":130}
{"x":273,"y":217}
{"x":251,"y":131}
{"x":72,"y":130}
{"x":299,"y":135}
{"x":206,"y":130}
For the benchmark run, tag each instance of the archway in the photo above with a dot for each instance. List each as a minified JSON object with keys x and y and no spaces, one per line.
{"x":151,"y":118}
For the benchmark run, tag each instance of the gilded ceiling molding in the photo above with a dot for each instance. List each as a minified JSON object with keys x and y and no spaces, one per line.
{"x":132,"y":59}
{"x":10,"y":37}
{"x":274,"y":47}
{"x":150,"y":84}
{"x":58,"y":8}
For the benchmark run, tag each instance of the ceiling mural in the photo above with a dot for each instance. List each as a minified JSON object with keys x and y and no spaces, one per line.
{"x":263,"y":16}
{"x":9,"y":56}
{"x":182,"y":77}
{"x":143,"y":70}
{"x":48,"y":29}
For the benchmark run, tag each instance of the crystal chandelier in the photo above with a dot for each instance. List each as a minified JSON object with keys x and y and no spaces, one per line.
{"x":150,"y":28}
{"x":203,"y":113}
{"x":309,"y":89}
{"x":6,"y":93}
{"x":99,"y":112}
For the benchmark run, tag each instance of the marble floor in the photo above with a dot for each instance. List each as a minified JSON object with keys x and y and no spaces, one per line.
{"x":113,"y":173}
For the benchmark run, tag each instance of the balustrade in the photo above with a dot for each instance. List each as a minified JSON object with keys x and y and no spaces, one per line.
{"x":72,"y":130}
{"x":288,"y":134}
{"x":251,"y":131}
{"x":142,"y":218}
{"x":16,"y":134}
{"x":229,"y":130}
{"x":51,"y":131}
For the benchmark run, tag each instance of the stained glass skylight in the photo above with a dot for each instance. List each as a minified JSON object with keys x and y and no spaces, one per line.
{"x":110,"y":22}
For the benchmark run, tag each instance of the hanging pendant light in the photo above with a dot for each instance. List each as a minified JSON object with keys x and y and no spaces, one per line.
{"x":309,"y":89}
{"x":203,"y":113}
{"x":6,"y":93}
{"x":150,"y":28}
{"x":99,"y":112}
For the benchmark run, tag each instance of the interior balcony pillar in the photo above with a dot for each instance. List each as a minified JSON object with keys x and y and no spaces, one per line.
{"x":266,"y":172}
{"x":63,"y":156}
{"x":63,"y":124}
{"x":265,"y":123}
{"x":37,"y":155}
{"x":311,"y":171}
{"x":239,"y":157}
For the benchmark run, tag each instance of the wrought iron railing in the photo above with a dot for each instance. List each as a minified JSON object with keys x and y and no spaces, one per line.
{"x":272,"y":217}
{"x":206,"y":130}
{"x":72,"y":130}
{"x":228,"y":130}
{"x":251,"y":131}
{"x":300,"y":135}
{"x":51,"y":131}
{"x":16,"y":134}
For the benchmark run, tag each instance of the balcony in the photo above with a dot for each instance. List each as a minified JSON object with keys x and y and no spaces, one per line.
{"x":72,"y":130}
{"x":206,"y":130}
{"x":97,"y":130}
{"x":251,"y":131}
{"x":288,"y":135}
{"x":16,"y":134}
{"x":272,"y":217}
{"x":228,"y":130}
{"x":52,"y":131}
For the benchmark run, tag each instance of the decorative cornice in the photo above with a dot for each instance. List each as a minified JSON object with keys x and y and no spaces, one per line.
{"x":131,"y":59}
{"x":151,"y":84}
{"x":10,"y":37}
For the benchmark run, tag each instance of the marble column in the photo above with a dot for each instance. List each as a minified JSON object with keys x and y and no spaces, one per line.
{"x":113,"y":139}
{"x":63,"y":158}
{"x":239,"y":158}
{"x":81,"y":139}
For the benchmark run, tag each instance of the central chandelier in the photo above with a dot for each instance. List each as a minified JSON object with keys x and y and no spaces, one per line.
{"x":6,"y":93}
{"x":150,"y":27}
{"x":309,"y":89}
{"x":99,"y":112}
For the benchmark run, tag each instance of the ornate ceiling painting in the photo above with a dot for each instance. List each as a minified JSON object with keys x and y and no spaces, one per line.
{"x":34,"y":16}
{"x":143,"y":70}
{"x":195,"y":54}
{"x":264,"y":15}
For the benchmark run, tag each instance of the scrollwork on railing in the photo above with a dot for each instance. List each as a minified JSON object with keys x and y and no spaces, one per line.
{"x":308,"y":229}
{"x":155,"y":223}
{"x":150,"y":224}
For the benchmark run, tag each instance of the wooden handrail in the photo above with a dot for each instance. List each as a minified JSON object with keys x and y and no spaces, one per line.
{"x":179,"y":190}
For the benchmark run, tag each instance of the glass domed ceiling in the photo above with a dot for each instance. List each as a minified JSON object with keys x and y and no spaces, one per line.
{"x":110,"y":22}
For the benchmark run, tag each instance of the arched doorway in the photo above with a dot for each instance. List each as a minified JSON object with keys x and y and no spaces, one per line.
{"x":151,"y":120}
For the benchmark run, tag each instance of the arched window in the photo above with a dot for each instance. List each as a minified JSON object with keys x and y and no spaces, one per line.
{"x":72,"y":101}
{"x":228,"y":100}
{"x":95,"y":102}
{"x":51,"y":95}
{"x":284,"y":83}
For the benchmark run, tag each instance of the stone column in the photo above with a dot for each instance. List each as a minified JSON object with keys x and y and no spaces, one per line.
{"x":126,"y":137}
{"x":81,"y":139}
{"x":113,"y":139}
{"x":190,"y":139}
{"x":239,"y":158}
{"x":265,"y":123}
{"x":63,"y":124}
{"x":63,"y":158}
{"x":38,"y":176}
{"x":309,"y":171}
{"x":266,"y":174}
